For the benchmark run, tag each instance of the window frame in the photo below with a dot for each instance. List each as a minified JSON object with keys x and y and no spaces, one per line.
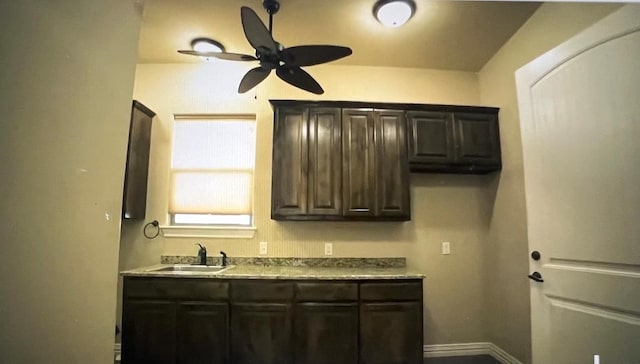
{"x":187,"y":230}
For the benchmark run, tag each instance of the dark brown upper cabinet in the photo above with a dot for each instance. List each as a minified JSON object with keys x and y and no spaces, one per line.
{"x":336,"y":163}
{"x":457,"y":140}
{"x":307,"y":164}
{"x":134,"y":199}
{"x":375,"y":169}
{"x":290,"y":162}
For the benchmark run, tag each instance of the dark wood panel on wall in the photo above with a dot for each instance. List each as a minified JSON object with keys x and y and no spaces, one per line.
{"x":134,"y":199}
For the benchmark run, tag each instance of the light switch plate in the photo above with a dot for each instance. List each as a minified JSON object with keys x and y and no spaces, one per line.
{"x":328,"y":249}
{"x":446,"y":248}
{"x":263,"y":248}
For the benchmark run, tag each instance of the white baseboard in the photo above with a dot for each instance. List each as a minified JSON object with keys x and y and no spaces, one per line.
{"x":117,"y":348}
{"x":435,"y":351}
{"x":502,"y":356}
{"x":467,"y":349}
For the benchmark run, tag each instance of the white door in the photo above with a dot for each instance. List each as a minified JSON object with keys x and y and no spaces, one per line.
{"x":580,"y":115}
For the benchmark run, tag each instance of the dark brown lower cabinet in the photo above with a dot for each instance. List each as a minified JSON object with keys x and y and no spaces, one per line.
{"x":326,"y":333}
{"x":201,"y":335}
{"x":261,"y":333}
{"x":391,"y":333}
{"x":245,"y":321}
{"x":168,"y":332}
{"x":149,"y":332}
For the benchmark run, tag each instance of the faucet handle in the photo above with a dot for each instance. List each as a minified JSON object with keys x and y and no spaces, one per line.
{"x":202,"y":248}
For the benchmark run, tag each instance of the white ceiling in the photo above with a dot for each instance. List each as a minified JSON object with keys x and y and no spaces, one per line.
{"x":453,"y":35}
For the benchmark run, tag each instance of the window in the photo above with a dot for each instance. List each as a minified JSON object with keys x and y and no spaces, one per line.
{"x":212,"y":166}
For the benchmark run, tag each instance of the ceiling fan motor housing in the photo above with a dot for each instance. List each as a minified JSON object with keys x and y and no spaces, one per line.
{"x":272,"y":6}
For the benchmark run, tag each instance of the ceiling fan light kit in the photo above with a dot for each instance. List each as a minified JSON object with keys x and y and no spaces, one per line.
{"x":206,"y":45}
{"x":394,"y":13}
{"x":272,"y":55}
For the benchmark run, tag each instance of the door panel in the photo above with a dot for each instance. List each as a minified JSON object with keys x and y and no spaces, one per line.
{"x":389,"y":334}
{"x":326,"y":333}
{"x":430,"y":137}
{"x":149,"y":332}
{"x":202,"y":336}
{"x":478,"y":139}
{"x":290,"y":158}
{"x":579,"y":114}
{"x":392,"y":190}
{"x":358,"y":150}
{"x":261,"y":333}
{"x":325,"y":162}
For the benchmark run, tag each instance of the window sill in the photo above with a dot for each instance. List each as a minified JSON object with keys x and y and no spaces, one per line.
{"x":227,"y":232}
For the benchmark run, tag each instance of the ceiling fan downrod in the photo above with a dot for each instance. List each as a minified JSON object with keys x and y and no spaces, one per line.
{"x":272,"y":7}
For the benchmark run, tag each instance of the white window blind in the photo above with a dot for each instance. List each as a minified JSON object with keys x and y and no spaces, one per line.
{"x":212,"y":168}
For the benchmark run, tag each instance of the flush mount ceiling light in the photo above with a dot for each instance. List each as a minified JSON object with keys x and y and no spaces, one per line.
{"x":206,"y":45}
{"x":394,"y":13}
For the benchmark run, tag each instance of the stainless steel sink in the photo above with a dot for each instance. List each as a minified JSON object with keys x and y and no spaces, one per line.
{"x":191,"y":268}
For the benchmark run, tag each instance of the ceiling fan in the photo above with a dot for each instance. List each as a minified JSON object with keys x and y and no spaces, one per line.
{"x":272,"y":55}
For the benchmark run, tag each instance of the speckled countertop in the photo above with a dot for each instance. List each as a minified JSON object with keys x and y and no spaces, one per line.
{"x":285,"y":272}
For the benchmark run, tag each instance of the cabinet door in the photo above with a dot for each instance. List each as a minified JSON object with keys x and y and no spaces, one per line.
{"x":392,"y":187}
{"x":325,"y":162}
{"x":430,"y":137}
{"x":478,"y":139}
{"x":261,"y":333}
{"x":202,"y":335}
{"x":134,"y":202}
{"x":358,"y":163}
{"x":391,"y":333}
{"x":326,"y":333}
{"x":148,"y":332}
{"x":290,"y":158}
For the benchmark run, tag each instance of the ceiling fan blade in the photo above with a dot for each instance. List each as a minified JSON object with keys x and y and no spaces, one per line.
{"x":255,"y":31}
{"x":252,"y":78}
{"x":309,"y":55}
{"x":297,"y":77}
{"x":222,"y":55}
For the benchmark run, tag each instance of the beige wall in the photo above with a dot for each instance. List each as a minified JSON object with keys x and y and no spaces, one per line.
{"x":445,"y":207}
{"x":506,"y":256}
{"x":65,"y":95}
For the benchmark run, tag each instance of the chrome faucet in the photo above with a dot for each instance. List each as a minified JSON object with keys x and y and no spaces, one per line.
{"x":202,"y":255}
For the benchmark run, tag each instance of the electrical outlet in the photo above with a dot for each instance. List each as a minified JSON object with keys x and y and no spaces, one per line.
{"x":328,"y":249}
{"x":263,"y":248}
{"x":446,"y":248}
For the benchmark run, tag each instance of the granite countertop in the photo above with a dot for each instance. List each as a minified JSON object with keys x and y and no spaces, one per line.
{"x":367,"y":271}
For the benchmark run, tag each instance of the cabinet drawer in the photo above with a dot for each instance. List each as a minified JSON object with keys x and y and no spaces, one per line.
{"x":262,"y":291}
{"x":192,"y":289}
{"x":392,"y":291}
{"x":321,"y":292}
